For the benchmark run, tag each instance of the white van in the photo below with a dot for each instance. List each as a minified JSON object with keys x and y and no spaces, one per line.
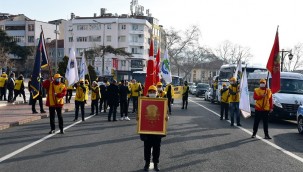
{"x":287,"y":100}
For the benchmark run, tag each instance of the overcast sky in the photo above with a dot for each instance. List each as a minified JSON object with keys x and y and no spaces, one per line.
{"x":249,"y":23}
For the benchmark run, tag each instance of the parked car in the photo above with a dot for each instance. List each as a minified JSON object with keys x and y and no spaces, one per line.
{"x":300,"y":119}
{"x":192,"y":89}
{"x":207,"y":95}
{"x":201,"y":89}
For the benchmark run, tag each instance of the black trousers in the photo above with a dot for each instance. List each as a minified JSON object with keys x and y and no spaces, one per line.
{"x":2,"y":93}
{"x":135,"y":104}
{"x":81,"y":105}
{"x":184,"y":101}
{"x":123,"y":107}
{"x":68,"y":96}
{"x":152,"y":141}
{"x":52,"y":114}
{"x":95,"y":105}
{"x":169,"y":100}
{"x":39,"y":98}
{"x":10,"y":95}
{"x":258,"y":116}
{"x":112,"y":110}
{"x":17,"y":92}
{"x":103,"y":102}
{"x":224,"y":108}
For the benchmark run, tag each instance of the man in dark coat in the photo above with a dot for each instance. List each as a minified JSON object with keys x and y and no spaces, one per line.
{"x":123,"y":92}
{"x":103,"y":99}
{"x":113,"y":99}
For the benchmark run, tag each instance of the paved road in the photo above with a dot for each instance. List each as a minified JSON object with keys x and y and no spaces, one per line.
{"x":197,"y":141}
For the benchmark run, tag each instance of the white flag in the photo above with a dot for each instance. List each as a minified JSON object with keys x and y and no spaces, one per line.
{"x":165,"y":68}
{"x":71,"y":73}
{"x":238,"y":71}
{"x":244,"y":104}
{"x":83,"y":67}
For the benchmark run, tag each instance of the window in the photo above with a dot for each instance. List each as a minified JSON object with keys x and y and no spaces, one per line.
{"x":70,"y":39}
{"x":94,"y":39}
{"x":31,"y":27}
{"x":30,"y":39}
{"x":18,"y":38}
{"x":135,"y":27}
{"x":109,"y":38}
{"x":109,"y":26}
{"x":135,"y":51}
{"x":15,"y":27}
{"x":135,"y":38}
{"x":82,"y":39}
{"x":121,"y":38}
{"x":123,"y":62}
{"x":82,"y":27}
{"x":80,"y":50}
{"x":123,"y":27}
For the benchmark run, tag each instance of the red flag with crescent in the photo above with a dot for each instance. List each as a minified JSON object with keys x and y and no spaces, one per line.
{"x":149,"y":80}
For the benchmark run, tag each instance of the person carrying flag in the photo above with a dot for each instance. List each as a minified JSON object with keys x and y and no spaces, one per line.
{"x":234,"y":98}
{"x":263,"y":106}
{"x":54,"y":100}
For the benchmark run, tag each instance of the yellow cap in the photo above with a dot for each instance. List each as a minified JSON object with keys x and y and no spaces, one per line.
{"x":159,"y":84}
{"x":232,"y":79}
{"x":81,"y":80}
{"x":262,"y":81}
{"x":224,"y":84}
{"x":57,"y":75}
{"x":152,"y":87}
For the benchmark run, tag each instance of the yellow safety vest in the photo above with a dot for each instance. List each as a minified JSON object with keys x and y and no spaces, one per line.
{"x":172,"y":90}
{"x":263,"y":104}
{"x":87,"y":91}
{"x":135,"y":89}
{"x":18,"y":84}
{"x":80,"y":95}
{"x":58,"y":89}
{"x":2,"y":81}
{"x":162,"y":95}
{"x":234,"y":98}
{"x":94,"y":94}
{"x":224,"y":96}
{"x":185,"y":89}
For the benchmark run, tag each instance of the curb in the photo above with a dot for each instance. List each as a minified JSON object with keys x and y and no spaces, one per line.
{"x":30,"y":119}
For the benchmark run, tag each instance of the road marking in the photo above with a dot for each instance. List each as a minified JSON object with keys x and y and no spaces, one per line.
{"x":39,"y":141}
{"x":257,"y":136}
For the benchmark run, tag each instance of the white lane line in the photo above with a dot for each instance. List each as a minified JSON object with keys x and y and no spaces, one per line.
{"x":257,"y":136}
{"x":39,"y":141}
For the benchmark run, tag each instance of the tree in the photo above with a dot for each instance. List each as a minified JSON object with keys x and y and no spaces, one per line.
{"x":92,"y":74}
{"x":62,"y":66}
{"x":297,"y":60}
{"x":184,"y":49}
{"x":8,"y":46}
{"x":101,"y":51}
{"x":232,"y":53}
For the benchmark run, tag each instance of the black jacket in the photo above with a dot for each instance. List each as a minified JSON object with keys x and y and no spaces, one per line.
{"x":123,"y":91}
{"x":113,"y":95}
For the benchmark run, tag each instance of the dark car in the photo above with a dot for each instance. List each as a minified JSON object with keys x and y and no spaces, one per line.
{"x":201,"y":89}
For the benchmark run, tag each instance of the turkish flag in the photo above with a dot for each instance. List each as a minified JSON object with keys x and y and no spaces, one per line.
{"x":157,"y":67}
{"x":149,"y":80}
{"x":273,"y":66}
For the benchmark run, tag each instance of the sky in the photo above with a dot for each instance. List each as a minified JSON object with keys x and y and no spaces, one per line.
{"x":249,"y":23}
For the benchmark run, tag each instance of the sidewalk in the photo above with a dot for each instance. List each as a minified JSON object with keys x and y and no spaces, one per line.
{"x":20,"y":113}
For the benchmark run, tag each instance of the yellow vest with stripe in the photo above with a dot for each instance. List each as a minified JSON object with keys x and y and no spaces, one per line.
{"x":2,"y":81}
{"x":94,"y":94}
{"x":263,"y":103}
{"x":224,"y":96}
{"x":18,"y":84}
{"x":57,"y":89}
{"x":80,"y":95}
{"x":234,"y":98}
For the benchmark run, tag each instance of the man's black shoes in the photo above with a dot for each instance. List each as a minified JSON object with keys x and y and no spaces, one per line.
{"x":51,"y":132}
{"x":156,"y":168}
{"x":146,"y":167}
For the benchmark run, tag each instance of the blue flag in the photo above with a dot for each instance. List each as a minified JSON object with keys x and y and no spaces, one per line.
{"x":41,"y":60}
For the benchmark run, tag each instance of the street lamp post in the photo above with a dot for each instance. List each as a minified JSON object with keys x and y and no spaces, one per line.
{"x":283,"y":54}
{"x":56,"y":48}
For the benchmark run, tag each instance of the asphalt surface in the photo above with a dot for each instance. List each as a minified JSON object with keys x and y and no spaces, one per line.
{"x":197,"y":141}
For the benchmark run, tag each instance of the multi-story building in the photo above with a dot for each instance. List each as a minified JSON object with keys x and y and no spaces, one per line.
{"x":25,"y":32}
{"x":131,"y":33}
{"x":206,"y":71}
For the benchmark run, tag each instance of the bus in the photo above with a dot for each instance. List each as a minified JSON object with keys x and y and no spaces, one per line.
{"x":287,"y":101}
{"x":227,"y":71}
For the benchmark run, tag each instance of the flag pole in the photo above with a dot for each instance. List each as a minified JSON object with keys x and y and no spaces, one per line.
{"x":50,"y":71}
